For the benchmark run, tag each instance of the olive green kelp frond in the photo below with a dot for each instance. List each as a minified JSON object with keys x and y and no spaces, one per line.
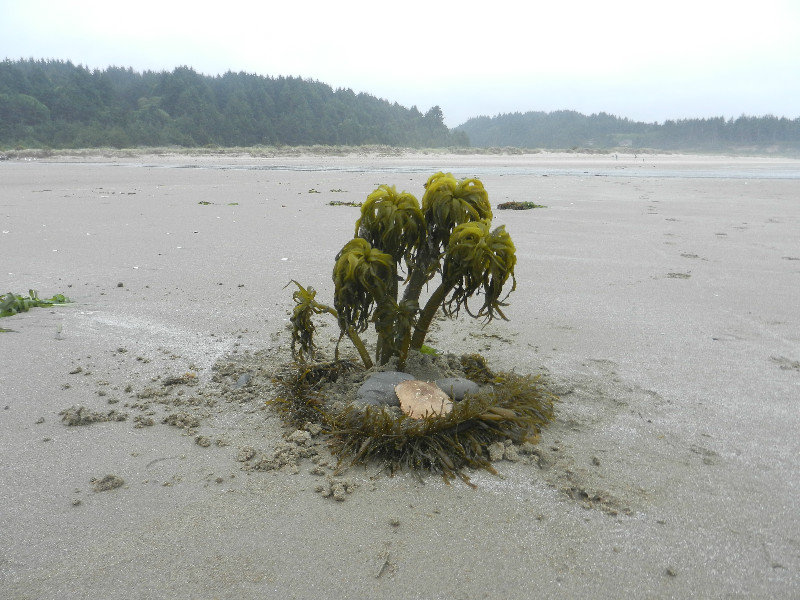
{"x":303,"y":328}
{"x":392,"y":222}
{"x":448,"y":202}
{"x":362,"y":276}
{"x":479,"y":259}
{"x":504,"y":259}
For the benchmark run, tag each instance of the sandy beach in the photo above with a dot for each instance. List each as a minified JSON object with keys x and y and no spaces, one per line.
{"x":657,"y":294}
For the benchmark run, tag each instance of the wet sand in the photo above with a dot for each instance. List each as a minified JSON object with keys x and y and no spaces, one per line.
{"x":657,"y":294}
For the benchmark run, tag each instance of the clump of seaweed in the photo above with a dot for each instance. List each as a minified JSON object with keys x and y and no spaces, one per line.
{"x":519,"y":205}
{"x":12,"y":304}
{"x":516,"y":407}
{"x":513,"y":407}
{"x":476,"y":369}
{"x":300,"y":399}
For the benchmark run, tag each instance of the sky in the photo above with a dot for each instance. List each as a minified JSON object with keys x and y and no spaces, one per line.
{"x":647,"y":60}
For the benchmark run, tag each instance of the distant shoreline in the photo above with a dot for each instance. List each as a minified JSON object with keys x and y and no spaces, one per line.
{"x":367,"y":150}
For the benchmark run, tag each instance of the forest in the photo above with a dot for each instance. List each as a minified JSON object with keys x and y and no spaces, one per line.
{"x":55,"y":104}
{"x":572,"y":130}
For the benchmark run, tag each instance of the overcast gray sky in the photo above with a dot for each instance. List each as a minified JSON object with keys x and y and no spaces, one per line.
{"x":647,"y":60}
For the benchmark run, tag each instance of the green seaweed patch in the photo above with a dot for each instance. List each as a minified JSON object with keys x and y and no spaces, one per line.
{"x":519,"y":205}
{"x":11,"y":304}
{"x":343,"y":203}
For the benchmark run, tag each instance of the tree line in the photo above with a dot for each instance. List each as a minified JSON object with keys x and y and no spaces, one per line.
{"x":569,"y":129}
{"x":56,"y":104}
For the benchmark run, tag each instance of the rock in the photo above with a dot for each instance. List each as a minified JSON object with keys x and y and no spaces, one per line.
{"x":243,"y":380}
{"x":457,"y":387}
{"x":419,"y":399}
{"x":378,"y":389}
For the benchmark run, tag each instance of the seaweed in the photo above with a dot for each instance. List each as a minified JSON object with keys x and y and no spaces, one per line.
{"x":398,"y":239}
{"x":11,"y":304}
{"x":476,"y":369}
{"x":519,"y":205}
{"x":300,"y":399}
{"x":516,"y":408}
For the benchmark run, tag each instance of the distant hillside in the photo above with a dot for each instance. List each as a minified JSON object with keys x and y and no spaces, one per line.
{"x":569,"y":129}
{"x":60,"y":105}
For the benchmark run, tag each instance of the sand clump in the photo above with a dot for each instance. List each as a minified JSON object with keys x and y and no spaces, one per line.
{"x":288,"y":454}
{"x":80,"y":415}
{"x":107,"y":483}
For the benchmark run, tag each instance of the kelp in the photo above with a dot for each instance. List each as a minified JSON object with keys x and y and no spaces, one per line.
{"x":448,"y":202}
{"x":303,"y":325}
{"x":448,"y":235}
{"x":478,"y":258}
{"x":363,"y":276}
{"x":476,"y":369}
{"x":12,"y":304}
{"x":516,"y":408}
{"x":299,"y":399}
{"x":393,"y":222}
{"x":519,"y":205}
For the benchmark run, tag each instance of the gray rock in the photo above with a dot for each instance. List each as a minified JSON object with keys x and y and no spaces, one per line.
{"x":243,"y":380}
{"x":457,"y":387}
{"x":378,"y":388}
